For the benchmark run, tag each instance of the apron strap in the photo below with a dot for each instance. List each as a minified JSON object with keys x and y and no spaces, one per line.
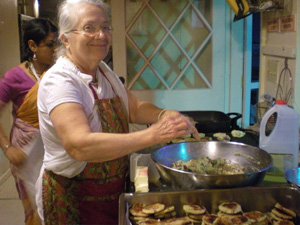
{"x":93,"y":90}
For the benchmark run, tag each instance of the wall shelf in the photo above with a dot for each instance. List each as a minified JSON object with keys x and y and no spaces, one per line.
{"x":285,"y":52}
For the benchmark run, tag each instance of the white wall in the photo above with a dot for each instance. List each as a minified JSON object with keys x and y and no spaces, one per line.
{"x":275,"y":48}
{"x":10,"y":57}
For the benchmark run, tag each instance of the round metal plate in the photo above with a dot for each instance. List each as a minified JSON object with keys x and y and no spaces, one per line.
{"x":293,"y":176}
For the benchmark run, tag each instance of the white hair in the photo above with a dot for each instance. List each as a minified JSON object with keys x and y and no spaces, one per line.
{"x":67,"y":18}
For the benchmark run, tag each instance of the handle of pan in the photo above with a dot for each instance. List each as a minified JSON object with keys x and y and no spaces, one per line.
{"x":233,"y":120}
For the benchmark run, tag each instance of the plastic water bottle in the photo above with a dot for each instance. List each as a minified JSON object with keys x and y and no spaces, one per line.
{"x":283,"y":141}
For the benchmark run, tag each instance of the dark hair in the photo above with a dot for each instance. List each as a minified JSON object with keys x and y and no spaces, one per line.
{"x":36,"y":30}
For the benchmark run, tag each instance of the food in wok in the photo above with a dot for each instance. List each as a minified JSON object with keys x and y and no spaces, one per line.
{"x":206,"y":165}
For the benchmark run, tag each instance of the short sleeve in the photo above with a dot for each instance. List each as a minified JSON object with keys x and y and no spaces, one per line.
{"x":14,"y":85}
{"x":58,"y":89}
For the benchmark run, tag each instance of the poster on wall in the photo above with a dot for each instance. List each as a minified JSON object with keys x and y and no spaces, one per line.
{"x":287,"y":23}
{"x":273,"y":25}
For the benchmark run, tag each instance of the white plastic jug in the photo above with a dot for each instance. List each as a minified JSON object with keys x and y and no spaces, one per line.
{"x":283,"y":141}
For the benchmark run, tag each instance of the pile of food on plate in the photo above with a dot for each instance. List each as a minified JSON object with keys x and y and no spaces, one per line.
{"x":229,"y":213}
{"x":219,"y":136}
{"x":190,"y":137}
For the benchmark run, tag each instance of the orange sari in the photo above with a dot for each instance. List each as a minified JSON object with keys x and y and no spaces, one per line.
{"x":28,"y":111}
{"x":25,"y":134}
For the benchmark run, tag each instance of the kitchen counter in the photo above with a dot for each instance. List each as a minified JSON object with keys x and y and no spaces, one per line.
{"x":161,"y":186}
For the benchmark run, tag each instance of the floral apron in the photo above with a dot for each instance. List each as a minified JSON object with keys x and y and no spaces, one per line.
{"x":92,"y":196}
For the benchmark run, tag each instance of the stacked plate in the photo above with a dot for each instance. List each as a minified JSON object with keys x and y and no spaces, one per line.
{"x":293,"y":176}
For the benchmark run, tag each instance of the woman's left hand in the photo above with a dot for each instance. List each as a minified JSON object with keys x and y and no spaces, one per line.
{"x":15,"y":155}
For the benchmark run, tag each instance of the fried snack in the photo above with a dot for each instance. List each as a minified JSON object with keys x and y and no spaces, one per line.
{"x":281,"y":214}
{"x":240,"y":220}
{"x":222,"y":221}
{"x":177,"y":221}
{"x":165,"y":215}
{"x":209,"y":219}
{"x":194,"y":221}
{"x":137,"y":220}
{"x":277,"y":220}
{"x":222,"y":214}
{"x":221,"y":136}
{"x":238,"y":133}
{"x":274,"y":217}
{"x":194,"y":209}
{"x":136,"y":210}
{"x":283,"y":222}
{"x":230,"y":208}
{"x":154,"y":208}
{"x":257,"y":218}
{"x":166,"y":210}
{"x":285,"y":210}
{"x":195,"y":213}
{"x":196,"y":217}
{"x":150,"y":221}
{"x":170,"y":215}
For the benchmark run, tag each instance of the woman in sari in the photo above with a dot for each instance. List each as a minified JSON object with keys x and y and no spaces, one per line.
{"x":19,"y":85}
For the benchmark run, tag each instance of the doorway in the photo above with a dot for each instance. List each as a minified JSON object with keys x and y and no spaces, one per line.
{"x":252,"y":68}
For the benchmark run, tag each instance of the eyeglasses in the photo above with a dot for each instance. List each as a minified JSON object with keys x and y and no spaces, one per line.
{"x":92,"y":30}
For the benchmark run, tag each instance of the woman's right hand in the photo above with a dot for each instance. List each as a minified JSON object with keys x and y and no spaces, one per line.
{"x":171,"y":125}
{"x":15,"y":155}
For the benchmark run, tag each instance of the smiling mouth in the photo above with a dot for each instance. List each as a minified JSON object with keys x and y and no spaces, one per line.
{"x":100,"y":45}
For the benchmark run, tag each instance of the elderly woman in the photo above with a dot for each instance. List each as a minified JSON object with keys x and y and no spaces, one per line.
{"x":84,"y":113}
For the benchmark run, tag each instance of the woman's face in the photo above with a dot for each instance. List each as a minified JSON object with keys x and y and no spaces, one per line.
{"x":46,"y":49}
{"x":87,"y":47}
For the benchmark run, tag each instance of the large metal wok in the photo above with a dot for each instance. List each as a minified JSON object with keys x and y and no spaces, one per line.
{"x":214,"y":121}
{"x":256,"y":162}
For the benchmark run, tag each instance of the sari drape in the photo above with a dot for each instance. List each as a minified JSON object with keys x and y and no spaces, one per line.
{"x":25,"y":134}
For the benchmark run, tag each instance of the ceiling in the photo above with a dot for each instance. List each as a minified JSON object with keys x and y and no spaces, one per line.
{"x":48,"y":9}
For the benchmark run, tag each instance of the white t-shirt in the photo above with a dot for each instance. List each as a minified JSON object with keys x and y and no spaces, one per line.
{"x":65,"y":83}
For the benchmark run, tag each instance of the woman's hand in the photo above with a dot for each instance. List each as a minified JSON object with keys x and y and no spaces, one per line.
{"x":171,"y":125}
{"x":15,"y":155}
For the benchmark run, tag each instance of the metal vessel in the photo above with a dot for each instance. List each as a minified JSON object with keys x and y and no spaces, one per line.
{"x":255,"y":161}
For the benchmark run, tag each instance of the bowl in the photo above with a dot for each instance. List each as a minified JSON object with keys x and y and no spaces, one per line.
{"x":293,"y":176}
{"x":255,"y":161}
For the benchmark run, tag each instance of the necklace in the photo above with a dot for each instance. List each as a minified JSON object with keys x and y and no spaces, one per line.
{"x":94,"y":82}
{"x":94,"y":79}
{"x":32,"y":71}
